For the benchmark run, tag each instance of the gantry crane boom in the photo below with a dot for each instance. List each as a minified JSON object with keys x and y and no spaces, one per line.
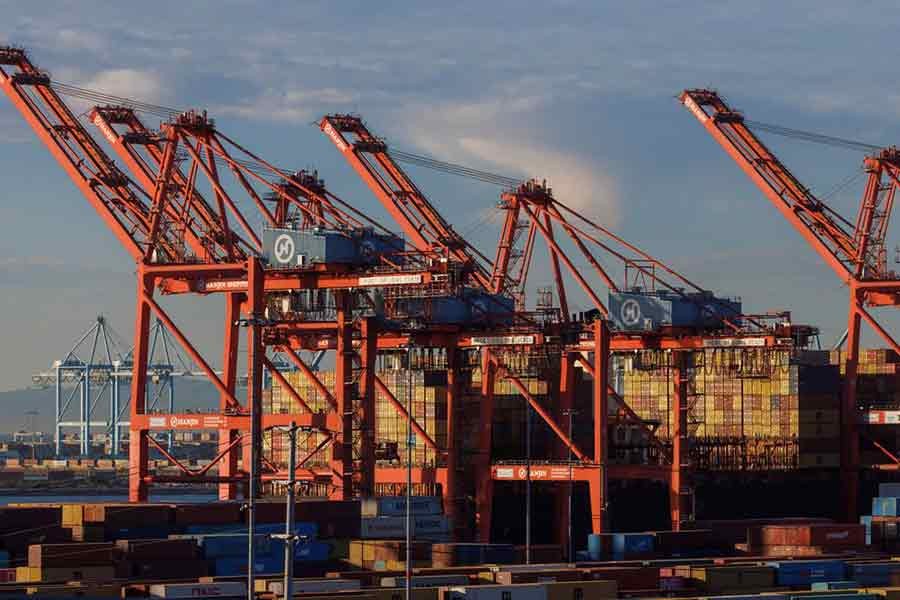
{"x":140,"y":149}
{"x":426,"y":229}
{"x":852,"y":252}
{"x":206,"y":232}
{"x":107,"y":189}
{"x":855,"y":252}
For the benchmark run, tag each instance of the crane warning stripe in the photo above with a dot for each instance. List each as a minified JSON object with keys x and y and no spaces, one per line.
{"x":881,"y":417}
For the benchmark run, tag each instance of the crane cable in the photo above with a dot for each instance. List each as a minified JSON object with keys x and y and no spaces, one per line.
{"x":816,"y":138}
{"x":168,"y":112}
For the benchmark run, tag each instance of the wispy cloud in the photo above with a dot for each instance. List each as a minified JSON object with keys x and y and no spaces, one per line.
{"x":291,"y":106}
{"x":130,"y":83}
{"x":506,"y":132}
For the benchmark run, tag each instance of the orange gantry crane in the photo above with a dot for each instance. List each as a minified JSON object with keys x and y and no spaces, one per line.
{"x":183,"y":243}
{"x":581,"y":251}
{"x":191,"y":231}
{"x":855,"y":251}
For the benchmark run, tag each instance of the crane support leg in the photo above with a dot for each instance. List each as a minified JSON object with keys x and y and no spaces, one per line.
{"x":450,"y":491}
{"x":564,"y":416}
{"x":598,"y":487}
{"x":679,"y":495}
{"x":484,"y":485}
{"x":849,"y":414}
{"x":342,"y":451}
{"x":256,"y":351}
{"x":138,"y":450}
{"x":227,"y":437}
{"x":368,"y":353}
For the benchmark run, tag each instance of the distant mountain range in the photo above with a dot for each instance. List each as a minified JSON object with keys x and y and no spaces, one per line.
{"x":15,"y":404}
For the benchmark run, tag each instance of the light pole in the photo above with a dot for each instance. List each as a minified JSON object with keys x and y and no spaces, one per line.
{"x":527,"y":483}
{"x":570,"y":412}
{"x":290,"y":538}
{"x":409,"y":448}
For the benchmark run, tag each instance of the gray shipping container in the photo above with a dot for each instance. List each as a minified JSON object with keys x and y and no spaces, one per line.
{"x":521,"y":591}
{"x":302,"y":586}
{"x":230,"y":589}
{"x":424,"y":581}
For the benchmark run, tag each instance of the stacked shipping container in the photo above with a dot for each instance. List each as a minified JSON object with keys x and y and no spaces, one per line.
{"x":749,"y":408}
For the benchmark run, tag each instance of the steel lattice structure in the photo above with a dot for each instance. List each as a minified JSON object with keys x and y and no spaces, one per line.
{"x":855,"y":251}
{"x":189,"y":228}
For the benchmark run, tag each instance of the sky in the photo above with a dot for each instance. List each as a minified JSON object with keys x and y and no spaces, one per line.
{"x":582,"y":94}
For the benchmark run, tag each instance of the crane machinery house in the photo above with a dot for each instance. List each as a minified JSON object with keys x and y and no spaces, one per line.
{"x":293,"y":248}
{"x":641,"y":310}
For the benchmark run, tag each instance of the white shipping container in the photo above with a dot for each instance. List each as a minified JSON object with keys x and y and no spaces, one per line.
{"x":395,"y":506}
{"x":231,"y":589}
{"x":521,"y":591}
{"x":395,"y":527}
{"x":423,"y":581}
{"x":314,"y":585}
{"x":534,"y":567}
{"x":382,"y":528}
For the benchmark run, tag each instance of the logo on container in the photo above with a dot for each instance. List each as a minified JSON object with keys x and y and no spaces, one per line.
{"x":630,"y":312}
{"x":284,"y":248}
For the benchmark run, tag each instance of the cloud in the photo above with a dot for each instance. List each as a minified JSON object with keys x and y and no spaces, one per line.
{"x":501,"y":131}
{"x":79,"y":39}
{"x":291,"y":106}
{"x":129,"y":83}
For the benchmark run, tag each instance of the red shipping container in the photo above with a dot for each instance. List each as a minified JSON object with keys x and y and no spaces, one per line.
{"x":795,"y":551}
{"x":67,"y":555}
{"x":735,"y":531}
{"x":819,"y":534}
{"x":158,"y":549}
{"x":126,"y":516}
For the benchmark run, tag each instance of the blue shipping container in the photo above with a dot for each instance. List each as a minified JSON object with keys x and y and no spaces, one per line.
{"x":807,"y":572}
{"x":228,"y":545}
{"x":631,"y":544}
{"x":237,"y":565}
{"x":304,"y":529}
{"x":889,"y":490}
{"x":885,"y":506}
{"x":873,"y":573}
{"x":312,"y":552}
{"x":594,"y":547}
